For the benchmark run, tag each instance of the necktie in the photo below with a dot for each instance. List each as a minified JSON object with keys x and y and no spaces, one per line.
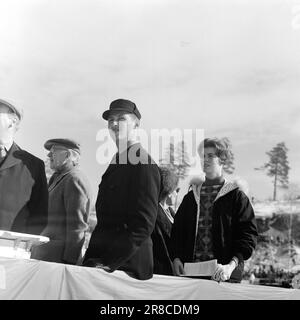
{"x":2,"y":153}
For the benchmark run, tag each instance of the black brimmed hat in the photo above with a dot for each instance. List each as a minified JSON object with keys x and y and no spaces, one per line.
{"x":123,"y":106}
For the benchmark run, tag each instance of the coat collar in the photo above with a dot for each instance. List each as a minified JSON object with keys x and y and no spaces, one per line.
{"x":166,"y":214}
{"x":58,"y":179}
{"x":7,"y":146}
{"x":13,"y":157}
{"x":111,"y":168}
{"x":228,"y":186}
{"x":114,"y":165}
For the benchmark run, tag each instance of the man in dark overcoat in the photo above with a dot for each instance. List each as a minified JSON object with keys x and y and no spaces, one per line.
{"x":23,"y":184}
{"x":127,"y":201}
{"x":69,"y":205}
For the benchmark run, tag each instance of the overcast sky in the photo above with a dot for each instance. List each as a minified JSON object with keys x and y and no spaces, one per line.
{"x":231,"y":68}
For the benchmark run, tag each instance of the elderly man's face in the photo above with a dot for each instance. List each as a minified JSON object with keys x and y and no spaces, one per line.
{"x":121,"y":126}
{"x":7,"y":124}
{"x":58,"y":156}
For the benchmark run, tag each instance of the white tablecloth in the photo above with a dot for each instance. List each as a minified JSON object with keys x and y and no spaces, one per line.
{"x":39,"y":280}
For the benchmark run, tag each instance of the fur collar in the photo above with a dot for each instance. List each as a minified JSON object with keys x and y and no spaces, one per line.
{"x":229,"y":185}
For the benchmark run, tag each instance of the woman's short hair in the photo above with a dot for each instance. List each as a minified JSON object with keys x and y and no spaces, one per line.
{"x":222,"y":146}
{"x":169,"y":181}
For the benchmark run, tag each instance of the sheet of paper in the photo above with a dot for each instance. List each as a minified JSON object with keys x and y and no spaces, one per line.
{"x":2,"y":278}
{"x":205,"y":268}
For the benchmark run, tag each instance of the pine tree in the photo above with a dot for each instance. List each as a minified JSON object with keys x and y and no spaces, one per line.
{"x":228,"y":166}
{"x":177,"y":158}
{"x":278,"y":167}
{"x":182,"y":160}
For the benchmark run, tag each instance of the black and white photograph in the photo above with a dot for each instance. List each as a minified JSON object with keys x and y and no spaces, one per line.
{"x":149,"y":152}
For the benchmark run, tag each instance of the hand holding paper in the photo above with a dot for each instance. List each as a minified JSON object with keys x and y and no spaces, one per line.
{"x":205,"y":268}
{"x":223,"y":272}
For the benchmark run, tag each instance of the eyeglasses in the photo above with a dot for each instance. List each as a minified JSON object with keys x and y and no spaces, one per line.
{"x":52,"y":150}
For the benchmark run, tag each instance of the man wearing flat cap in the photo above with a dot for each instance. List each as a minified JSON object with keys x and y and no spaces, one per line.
{"x":69,"y":205}
{"x":23,"y":183}
{"x":127,"y":200}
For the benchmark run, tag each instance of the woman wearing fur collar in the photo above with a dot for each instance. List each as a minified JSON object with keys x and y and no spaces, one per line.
{"x":215,"y":219}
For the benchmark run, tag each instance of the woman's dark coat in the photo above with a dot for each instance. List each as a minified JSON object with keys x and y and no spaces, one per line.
{"x":161,"y":244}
{"x":234,"y":230}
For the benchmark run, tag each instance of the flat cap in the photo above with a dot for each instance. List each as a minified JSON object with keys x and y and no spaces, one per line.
{"x":67,"y":143}
{"x":121,"y":105}
{"x":17,"y":111}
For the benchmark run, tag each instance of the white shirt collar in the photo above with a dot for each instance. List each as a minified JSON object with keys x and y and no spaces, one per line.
{"x":7,"y":146}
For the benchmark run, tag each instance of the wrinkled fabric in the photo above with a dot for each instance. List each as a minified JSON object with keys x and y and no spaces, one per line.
{"x":40,"y":280}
